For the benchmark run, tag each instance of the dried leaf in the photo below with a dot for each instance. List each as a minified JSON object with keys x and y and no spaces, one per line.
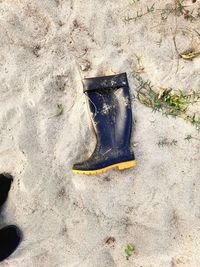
{"x":161,"y":92}
{"x":190,"y":56}
{"x":144,"y":99}
{"x":59,"y":110}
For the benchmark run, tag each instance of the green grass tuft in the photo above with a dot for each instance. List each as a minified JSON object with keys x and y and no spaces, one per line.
{"x":129,"y":251}
{"x":168,"y":101}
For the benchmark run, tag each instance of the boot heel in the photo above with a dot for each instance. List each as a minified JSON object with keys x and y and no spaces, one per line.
{"x":126,"y":165}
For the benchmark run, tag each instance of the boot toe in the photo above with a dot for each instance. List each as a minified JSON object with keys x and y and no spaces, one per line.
{"x":79,"y":166}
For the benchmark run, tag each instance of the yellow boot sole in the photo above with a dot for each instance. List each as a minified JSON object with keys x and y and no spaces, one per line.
{"x":120,"y":166}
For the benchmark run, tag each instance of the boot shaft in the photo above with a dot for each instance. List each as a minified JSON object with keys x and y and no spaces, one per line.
{"x":110,"y":108}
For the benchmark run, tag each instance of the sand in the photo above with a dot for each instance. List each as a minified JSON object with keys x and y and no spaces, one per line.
{"x":46,"y":48}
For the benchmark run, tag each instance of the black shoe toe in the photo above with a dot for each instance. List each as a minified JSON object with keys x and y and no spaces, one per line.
{"x":10,"y":238}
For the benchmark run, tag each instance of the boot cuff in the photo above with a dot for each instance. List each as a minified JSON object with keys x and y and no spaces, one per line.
{"x":105,"y":82}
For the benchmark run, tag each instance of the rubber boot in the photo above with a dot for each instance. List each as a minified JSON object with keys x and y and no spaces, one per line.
{"x":10,"y":237}
{"x":5,"y":184}
{"x":111,"y":114}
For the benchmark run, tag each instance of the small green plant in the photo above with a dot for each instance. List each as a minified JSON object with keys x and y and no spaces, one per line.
{"x":168,"y":101}
{"x":129,"y":251}
{"x":188,"y":137}
{"x":149,"y":9}
{"x":178,"y":9}
{"x":166,"y":142}
{"x":59,"y":110}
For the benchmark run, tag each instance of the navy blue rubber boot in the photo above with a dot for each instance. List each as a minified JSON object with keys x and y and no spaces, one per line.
{"x":111,"y":114}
